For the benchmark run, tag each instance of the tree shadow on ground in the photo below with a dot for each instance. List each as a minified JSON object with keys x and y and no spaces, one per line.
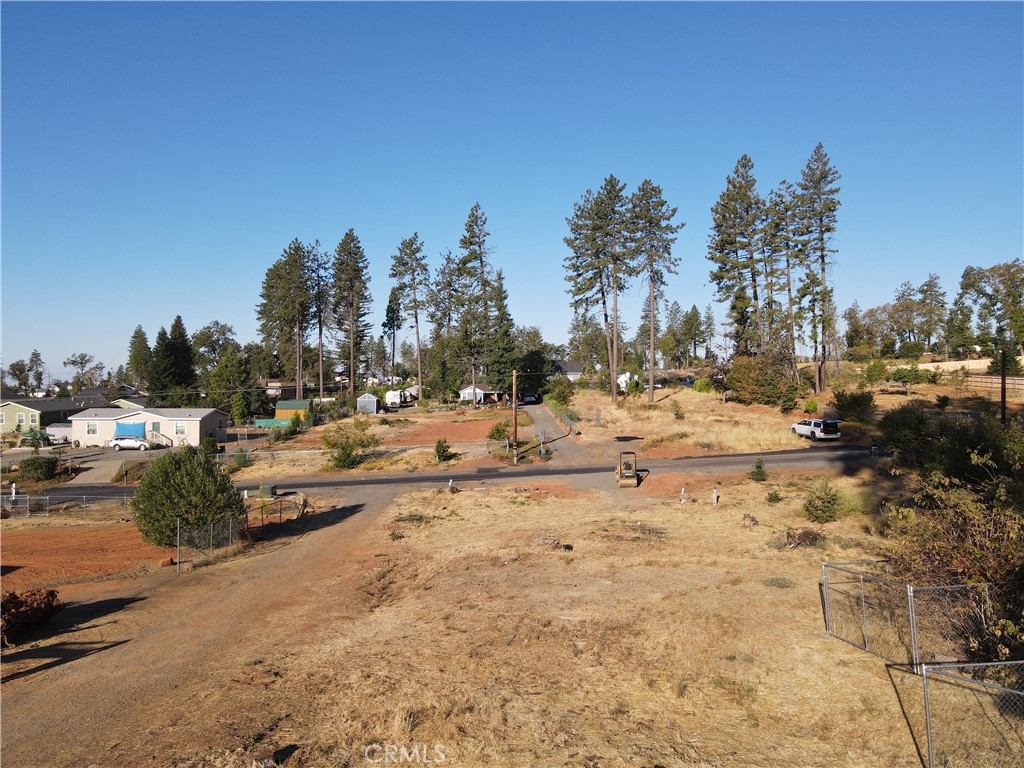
{"x":55,"y":655}
{"x":910,"y":694}
{"x":307,"y":523}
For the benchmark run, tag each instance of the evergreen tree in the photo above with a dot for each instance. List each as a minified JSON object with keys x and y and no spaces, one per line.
{"x":138,"y":358}
{"x":997,"y":293}
{"x":932,"y":314}
{"x":693,"y":331}
{"x":708,"y":330}
{"x":320,"y":285}
{"x":501,"y":343}
{"x":160,"y":372}
{"x":393,"y":324}
{"x":587,"y":342}
{"x":19,"y":373}
{"x":351,"y":299}
{"x":285,"y":307}
{"x":733,"y":249}
{"x":819,"y":203}
{"x":36,"y":368}
{"x":599,"y":266}
{"x":475,"y":267}
{"x":409,"y":267}
{"x":651,"y":235}
{"x":787,"y":256}
{"x":228,"y":377}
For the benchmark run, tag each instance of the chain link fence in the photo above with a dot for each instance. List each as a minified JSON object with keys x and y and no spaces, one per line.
{"x":71,"y":506}
{"x":204,"y":541}
{"x":974,"y":714}
{"x":899,"y":622}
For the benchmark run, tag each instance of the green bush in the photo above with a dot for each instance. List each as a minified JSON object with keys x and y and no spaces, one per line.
{"x":349,"y":443}
{"x":443,"y":451}
{"x":762,"y":381}
{"x":810,"y":405}
{"x":758,"y":473}
{"x":774,"y":497}
{"x":560,"y":390}
{"x":703,"y":385}
{"x":823,"y":503}
{"x":208,"y":445}
{"x":943,"y":402}
{"x":38,"y":467}
{"x":854,"y":406}
{"x":185,"y":484}
{"x":499,"y":430}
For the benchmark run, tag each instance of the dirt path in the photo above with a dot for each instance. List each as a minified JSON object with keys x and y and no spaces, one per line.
{"x":138,"y":672}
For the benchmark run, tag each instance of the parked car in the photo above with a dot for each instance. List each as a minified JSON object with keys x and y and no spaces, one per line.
{"x":817,"y":429}
{"x":530,"y":399}
{"x":129,"y":443}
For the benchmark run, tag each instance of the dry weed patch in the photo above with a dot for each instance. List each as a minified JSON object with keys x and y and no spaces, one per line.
{"x":686,"y":423}
{"x":516,"y":627}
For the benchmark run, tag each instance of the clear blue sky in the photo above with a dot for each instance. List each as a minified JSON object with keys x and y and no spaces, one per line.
{"x":157,"y":158}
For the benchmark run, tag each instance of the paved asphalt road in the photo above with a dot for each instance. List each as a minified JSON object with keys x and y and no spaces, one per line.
{"x":839,"y":457}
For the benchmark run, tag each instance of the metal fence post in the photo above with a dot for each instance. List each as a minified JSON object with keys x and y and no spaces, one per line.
{"x":927,"y":715}
{"x":915,"y":652}
{"x":824,"y":588}
{"x":863,"y":611}
{"x":211,"y":536}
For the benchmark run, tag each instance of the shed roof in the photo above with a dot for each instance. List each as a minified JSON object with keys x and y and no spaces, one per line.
{"x":294,"y":405}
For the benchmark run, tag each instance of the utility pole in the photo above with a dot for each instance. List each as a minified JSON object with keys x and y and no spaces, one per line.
{"x":515,"y":420}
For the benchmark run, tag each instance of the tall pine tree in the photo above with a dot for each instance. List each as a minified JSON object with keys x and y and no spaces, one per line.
{"x":819,"y":203}
{"x":409,"y":267}
{"x":351,"y":299}
{"x":651,"y":235}
{"x":285,"y":308}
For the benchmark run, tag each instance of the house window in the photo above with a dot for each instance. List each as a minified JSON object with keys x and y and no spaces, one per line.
{"x":21,"y":419}
{"x":92,"y":428}
{"x":33,"y":418}
{"x":179,"y":429}
{"x":1,"y":418}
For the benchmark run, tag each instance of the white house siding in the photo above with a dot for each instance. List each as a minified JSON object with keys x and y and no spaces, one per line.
{"x":195,"y":424}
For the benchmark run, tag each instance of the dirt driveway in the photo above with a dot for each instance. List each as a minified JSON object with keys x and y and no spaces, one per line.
{"x":175,"y":662}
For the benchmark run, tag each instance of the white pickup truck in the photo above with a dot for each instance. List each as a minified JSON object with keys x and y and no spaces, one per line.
{"x":817,"y":429}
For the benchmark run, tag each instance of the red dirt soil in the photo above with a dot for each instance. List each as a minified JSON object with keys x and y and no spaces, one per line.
{"x":48,"y":556}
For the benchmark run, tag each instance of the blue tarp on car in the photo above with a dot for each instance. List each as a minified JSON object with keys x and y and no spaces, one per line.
{"x":130,"y":429}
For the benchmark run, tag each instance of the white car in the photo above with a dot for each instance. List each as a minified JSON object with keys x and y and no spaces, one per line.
{"x":817,"y":429}
{"x":129,"y":443}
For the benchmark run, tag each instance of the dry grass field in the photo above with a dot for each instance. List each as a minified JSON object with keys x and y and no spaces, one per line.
{"x":551,"y":626}
{"x":708,"y":426}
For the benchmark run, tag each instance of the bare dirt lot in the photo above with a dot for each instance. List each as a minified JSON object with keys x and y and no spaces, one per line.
{"x":548,"y":625}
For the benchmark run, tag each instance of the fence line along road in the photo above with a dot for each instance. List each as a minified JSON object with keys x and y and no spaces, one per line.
{"x":979,"y":381}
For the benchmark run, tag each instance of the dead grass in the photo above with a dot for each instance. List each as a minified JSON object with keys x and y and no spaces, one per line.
{"x":663,"y":634}
{"x":709,"y":426}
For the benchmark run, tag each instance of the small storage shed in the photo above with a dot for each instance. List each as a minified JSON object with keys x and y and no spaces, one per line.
{"x":286,"y":409}
{"x":368,"y":403}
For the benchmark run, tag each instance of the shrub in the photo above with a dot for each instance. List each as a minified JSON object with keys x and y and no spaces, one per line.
{"x":208,"y":445}
{"x":296,"y":424}
{"x":774,"y":497}
{"x":349,"y":443}
{"x":823,"y":502}
{"x":499,"y":430}
{"x":239,"y":460}
{"x":943,"y":402}
{"x":761,"y":380}
{"x":810,"y":405}
{"x":38,"y":467}
{"x":758,"y":473}
{"x":560,"y":390}
{"x":854,"y":406}
{"x":677,"y":411}
{"x":904,"y":432}
{"x":21,"y":612}
{"x":184,"y":484}
{"x":703,"y":385}
{"x":443,"y":451}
